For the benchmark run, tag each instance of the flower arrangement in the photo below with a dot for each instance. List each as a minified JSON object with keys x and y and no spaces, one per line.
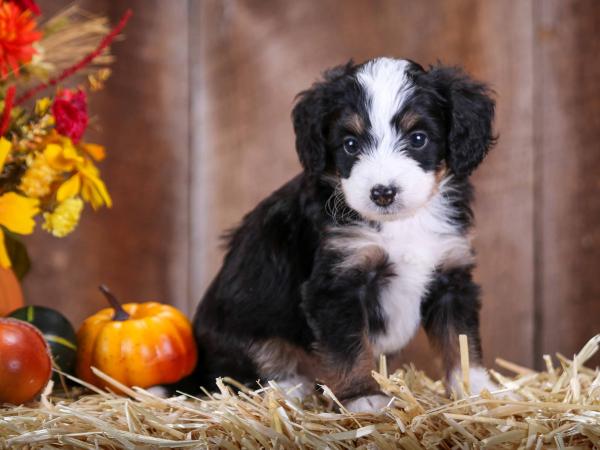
{"x":48,"y":172}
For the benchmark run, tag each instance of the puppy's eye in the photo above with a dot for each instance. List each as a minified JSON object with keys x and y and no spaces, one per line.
{"x":418,"y":139}
{"x":351,"y":145}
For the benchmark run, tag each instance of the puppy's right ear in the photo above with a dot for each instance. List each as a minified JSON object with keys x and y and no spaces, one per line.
{"x":311,"y":116}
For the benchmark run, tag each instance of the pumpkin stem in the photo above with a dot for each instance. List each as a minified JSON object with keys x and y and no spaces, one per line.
{"x":120,"y":313}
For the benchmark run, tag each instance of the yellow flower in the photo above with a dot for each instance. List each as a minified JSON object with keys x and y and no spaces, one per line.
{"x":38,"y":177}
{"x":63,"y":157}
{"x":93,"y":189}
{"x":95,"y":151}
{"x":5,"y":146}
{"x":16,"y":214}
{"x":87,"y":182}
{"x":42,"y":106}
{"x":64,"y":218}
{"x":17,"y":211}
{"x":58,"y":157}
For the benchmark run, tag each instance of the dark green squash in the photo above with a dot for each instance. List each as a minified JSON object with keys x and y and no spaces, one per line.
{"x":57,"y":331}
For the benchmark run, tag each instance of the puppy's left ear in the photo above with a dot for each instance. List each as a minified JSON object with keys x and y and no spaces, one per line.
{"x":471,"y":115}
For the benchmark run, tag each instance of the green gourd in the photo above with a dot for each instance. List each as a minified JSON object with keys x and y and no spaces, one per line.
{"x":57,"y":331}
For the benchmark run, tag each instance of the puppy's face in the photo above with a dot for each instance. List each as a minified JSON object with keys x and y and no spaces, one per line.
{"x":389,"y":146}
{"x":388,"y":129}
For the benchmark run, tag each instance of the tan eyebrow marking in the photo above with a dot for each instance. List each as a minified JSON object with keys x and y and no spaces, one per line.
{"x":354,"y":123}
{"x":408,"y":120}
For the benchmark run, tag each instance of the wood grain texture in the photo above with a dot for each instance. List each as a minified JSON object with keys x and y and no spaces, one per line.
{"x":567,"y":105}
{"x":139,"y":247}
{"x":258,"y":55}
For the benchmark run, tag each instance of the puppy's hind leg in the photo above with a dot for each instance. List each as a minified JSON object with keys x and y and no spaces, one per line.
{"x":284,"y":363}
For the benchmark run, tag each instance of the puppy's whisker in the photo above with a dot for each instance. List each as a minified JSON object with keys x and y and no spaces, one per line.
{"x":338,"y":201}
{"x":340,"y":209}
{"x":336,"y":207}
{"x":330,"y":206}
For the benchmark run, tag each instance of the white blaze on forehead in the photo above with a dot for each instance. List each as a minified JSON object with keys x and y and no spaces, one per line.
{"x":387,"y":87}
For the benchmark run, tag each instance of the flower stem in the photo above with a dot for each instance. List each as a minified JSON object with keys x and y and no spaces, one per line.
{"x":8,"y":105}
{"x":120,"y":313}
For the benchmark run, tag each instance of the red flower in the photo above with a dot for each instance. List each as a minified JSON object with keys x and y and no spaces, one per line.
{"x":28,"y":4}
{"x":17,"y":34}
{"x":70,"y":113}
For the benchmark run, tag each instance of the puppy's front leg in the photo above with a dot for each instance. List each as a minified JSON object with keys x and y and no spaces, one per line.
{"x":452,"y":308}
{"x":334,"y":304}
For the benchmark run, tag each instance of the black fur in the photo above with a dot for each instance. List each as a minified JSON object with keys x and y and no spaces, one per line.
{"x":452,"y":308}
{"x":339,"y":305}
{"x":280,"y":281}
{"x":316,"y":109}
{"x":471,"y":111}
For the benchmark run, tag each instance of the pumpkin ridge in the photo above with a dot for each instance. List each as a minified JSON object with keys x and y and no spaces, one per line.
{"x":177,"y":360}
{"x":123,"y":354}
{"x":99,"y":359}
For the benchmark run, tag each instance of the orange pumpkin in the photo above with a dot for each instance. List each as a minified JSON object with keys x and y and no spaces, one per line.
{"x":11,"y":296}
{"x":138,"y":344}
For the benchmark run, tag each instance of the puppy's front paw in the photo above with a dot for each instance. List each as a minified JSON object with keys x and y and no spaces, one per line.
{"x":369,"y":403}
{"x":159,"y":391}
{"x":296,"y":387}
{"x":479,"y":380}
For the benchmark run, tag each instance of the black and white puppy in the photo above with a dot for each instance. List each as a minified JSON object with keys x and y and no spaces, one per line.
{"x":344,"y":261}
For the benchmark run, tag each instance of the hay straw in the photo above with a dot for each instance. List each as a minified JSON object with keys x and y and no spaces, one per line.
{"x":555,"y":408}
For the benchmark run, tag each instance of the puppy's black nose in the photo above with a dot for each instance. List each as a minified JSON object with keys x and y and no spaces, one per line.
{"x":383,"y":195}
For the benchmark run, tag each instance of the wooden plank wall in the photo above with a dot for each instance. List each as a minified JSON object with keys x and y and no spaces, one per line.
{"x":140,"y":246}
{"x":567,"y":152}
{"x":196,"y":121}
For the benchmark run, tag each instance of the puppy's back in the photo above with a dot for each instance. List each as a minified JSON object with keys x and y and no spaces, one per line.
{"x":256,"y":294}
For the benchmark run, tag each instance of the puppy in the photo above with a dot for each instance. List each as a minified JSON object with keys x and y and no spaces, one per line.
{"x":344,"y":261}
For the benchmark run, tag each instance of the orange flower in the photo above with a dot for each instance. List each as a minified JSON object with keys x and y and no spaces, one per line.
{"x":17,"y":34}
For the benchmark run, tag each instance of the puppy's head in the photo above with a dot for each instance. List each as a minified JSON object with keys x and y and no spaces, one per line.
{"x":389,"y":129}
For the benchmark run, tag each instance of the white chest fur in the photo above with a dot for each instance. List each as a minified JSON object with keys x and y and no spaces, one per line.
{"x":416,"y":246}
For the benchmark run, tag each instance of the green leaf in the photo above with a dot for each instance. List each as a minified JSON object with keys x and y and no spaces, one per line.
{"x":17,"y":252}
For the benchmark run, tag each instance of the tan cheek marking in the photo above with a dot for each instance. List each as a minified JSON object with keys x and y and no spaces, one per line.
{"x":441,"y":173}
